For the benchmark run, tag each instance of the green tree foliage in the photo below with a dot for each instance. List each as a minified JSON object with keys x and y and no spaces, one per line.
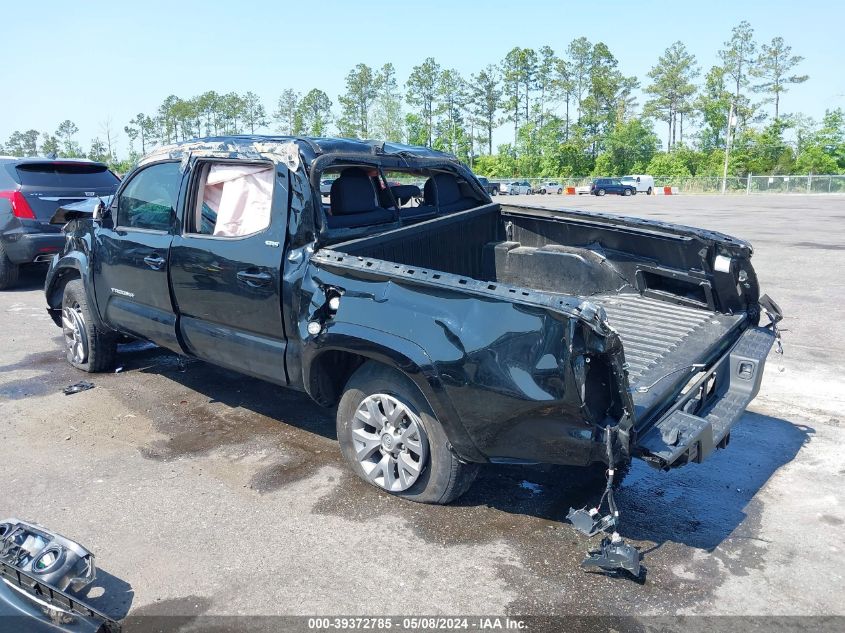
{"x":606,"y":100}
{"x":773,"y":66}
{"x":667,"y":165}
{"x":738,"y":55}
{"x":387,"y":115}
{"x":22,"y":143}
{"x":519,"y":72}
{"x":630,"y":146}
{"x":315,"y":113}
{"x":254,"y":115}
{"x":98,"y":151}
{"x":50,"y":145}
{"x":66,"y":133}
{"x":285,"y":115}
{"x":357,"y":102}
{"x":450,"y":101}
{"x":672,"y":89}
{"x":485,"y":94}
{"x":421,"y":92}
{"x":713,"y":104}
{"x":573,"y":112}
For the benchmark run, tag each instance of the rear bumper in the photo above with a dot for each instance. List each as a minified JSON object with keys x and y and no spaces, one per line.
{"x":700,"y":421}
{"x":27,"y":248}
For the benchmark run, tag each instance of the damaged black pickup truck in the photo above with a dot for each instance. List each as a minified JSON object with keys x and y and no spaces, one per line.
{"x":447,"y":329}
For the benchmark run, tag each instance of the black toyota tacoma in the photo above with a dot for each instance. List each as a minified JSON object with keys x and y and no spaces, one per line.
{"x":446,"y":329}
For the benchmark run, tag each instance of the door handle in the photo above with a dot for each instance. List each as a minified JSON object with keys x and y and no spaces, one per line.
{"x":255,"y":278}
{"x":154,"y":261}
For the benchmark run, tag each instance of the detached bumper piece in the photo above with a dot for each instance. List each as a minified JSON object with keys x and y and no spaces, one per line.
{"x":701,"y":420}
{"x":614,"y":555}
{"x":37,"y":569}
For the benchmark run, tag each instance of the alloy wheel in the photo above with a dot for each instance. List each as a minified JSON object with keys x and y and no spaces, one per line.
{"x":73,"y":328}
{"x":390,"y":442}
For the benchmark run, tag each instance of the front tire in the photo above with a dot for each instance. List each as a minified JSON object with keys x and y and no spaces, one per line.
{"x":648,"y":193}
{"x":9,"y":270}
{"x":559,"y":191}
{"x":494,"y":192}
{"x":392,"y":440}
{"x":627,"y":192}
{"x":88,"y":347}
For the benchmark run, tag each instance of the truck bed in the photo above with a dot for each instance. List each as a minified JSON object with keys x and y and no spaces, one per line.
{"x":661,"y":337}
{"x":664,"y":328}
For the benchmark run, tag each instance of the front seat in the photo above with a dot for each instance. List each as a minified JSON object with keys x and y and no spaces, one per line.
{"x":354,"y":202}
{"x":444,"y":191}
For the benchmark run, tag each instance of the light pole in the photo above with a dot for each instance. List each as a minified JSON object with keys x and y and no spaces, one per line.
{"x":731,"y":122}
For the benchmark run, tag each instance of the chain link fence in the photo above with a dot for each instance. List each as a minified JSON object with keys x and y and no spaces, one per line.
{"x":807,"y":184}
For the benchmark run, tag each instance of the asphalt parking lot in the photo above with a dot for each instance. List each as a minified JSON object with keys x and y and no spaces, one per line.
{"x":206,"y":493}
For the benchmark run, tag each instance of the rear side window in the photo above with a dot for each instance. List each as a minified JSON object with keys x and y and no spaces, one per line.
{"x":149,"y":199}
{"x":232,"y":200}
{"x":66,"y":176}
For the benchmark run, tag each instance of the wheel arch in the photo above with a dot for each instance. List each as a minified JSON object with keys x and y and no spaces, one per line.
{"x":330,"y":360}
{"x":69,"y":267}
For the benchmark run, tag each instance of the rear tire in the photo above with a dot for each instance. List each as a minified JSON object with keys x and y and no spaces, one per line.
{"x":494,"y":193}
{"x":627,"y":192}
{"x":9,"y":270}
{"x":648,"y":193}
{"x":379,"y":409}
{"x":601,"y":192}
{"x":88,"y":347}
{"x":559,"y":191}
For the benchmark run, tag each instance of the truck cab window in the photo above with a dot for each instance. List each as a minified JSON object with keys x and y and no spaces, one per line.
{"x":149,"y":199}
{"x":232,"y":200}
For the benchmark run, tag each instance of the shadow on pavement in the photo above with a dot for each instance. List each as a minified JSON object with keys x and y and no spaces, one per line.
{"x":699,"y":505}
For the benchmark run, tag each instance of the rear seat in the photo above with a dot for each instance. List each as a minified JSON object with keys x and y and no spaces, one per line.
{"x":403,"y":194}
{"x":354,"y":202}
{"x":444,"y":192}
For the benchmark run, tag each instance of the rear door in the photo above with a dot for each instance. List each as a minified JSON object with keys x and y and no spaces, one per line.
{"x":226,"y":266}
{"x":132,"y":251}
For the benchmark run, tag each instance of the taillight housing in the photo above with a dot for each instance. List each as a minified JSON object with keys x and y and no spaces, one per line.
{"x":20,"y":207}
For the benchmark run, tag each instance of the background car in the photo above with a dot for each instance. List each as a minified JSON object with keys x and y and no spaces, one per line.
{"x":583,"y":190}
{"x":31,"y":189}
{"x":492,"y":188}
{"x":326,"y":186}
{"x":643,"y":183}
{"x":550,"y":187}
{"x":602,"y":186}
{"x":520,"y":187}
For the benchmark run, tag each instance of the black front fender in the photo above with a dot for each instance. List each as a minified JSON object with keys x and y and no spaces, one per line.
{"x":63,"y":268}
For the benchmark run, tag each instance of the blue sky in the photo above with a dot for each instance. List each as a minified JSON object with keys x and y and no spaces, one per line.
{"x":88,"y":61}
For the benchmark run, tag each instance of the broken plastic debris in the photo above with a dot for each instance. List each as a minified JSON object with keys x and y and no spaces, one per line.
{"x":615,"y":555}
{"x":77,"y":387}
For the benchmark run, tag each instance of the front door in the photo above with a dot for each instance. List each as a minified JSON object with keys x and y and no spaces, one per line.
{"x":225,"y":266}
{"x":131,"y":255}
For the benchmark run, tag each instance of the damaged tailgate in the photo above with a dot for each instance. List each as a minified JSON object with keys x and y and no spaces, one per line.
{"x":701,"y":419}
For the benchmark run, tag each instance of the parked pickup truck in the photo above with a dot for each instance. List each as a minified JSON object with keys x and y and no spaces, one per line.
{"x":492,"y":188}
{"x":446,"y":329}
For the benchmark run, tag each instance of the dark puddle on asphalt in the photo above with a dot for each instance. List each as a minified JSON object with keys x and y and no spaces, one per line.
{"x":669,"y":515}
